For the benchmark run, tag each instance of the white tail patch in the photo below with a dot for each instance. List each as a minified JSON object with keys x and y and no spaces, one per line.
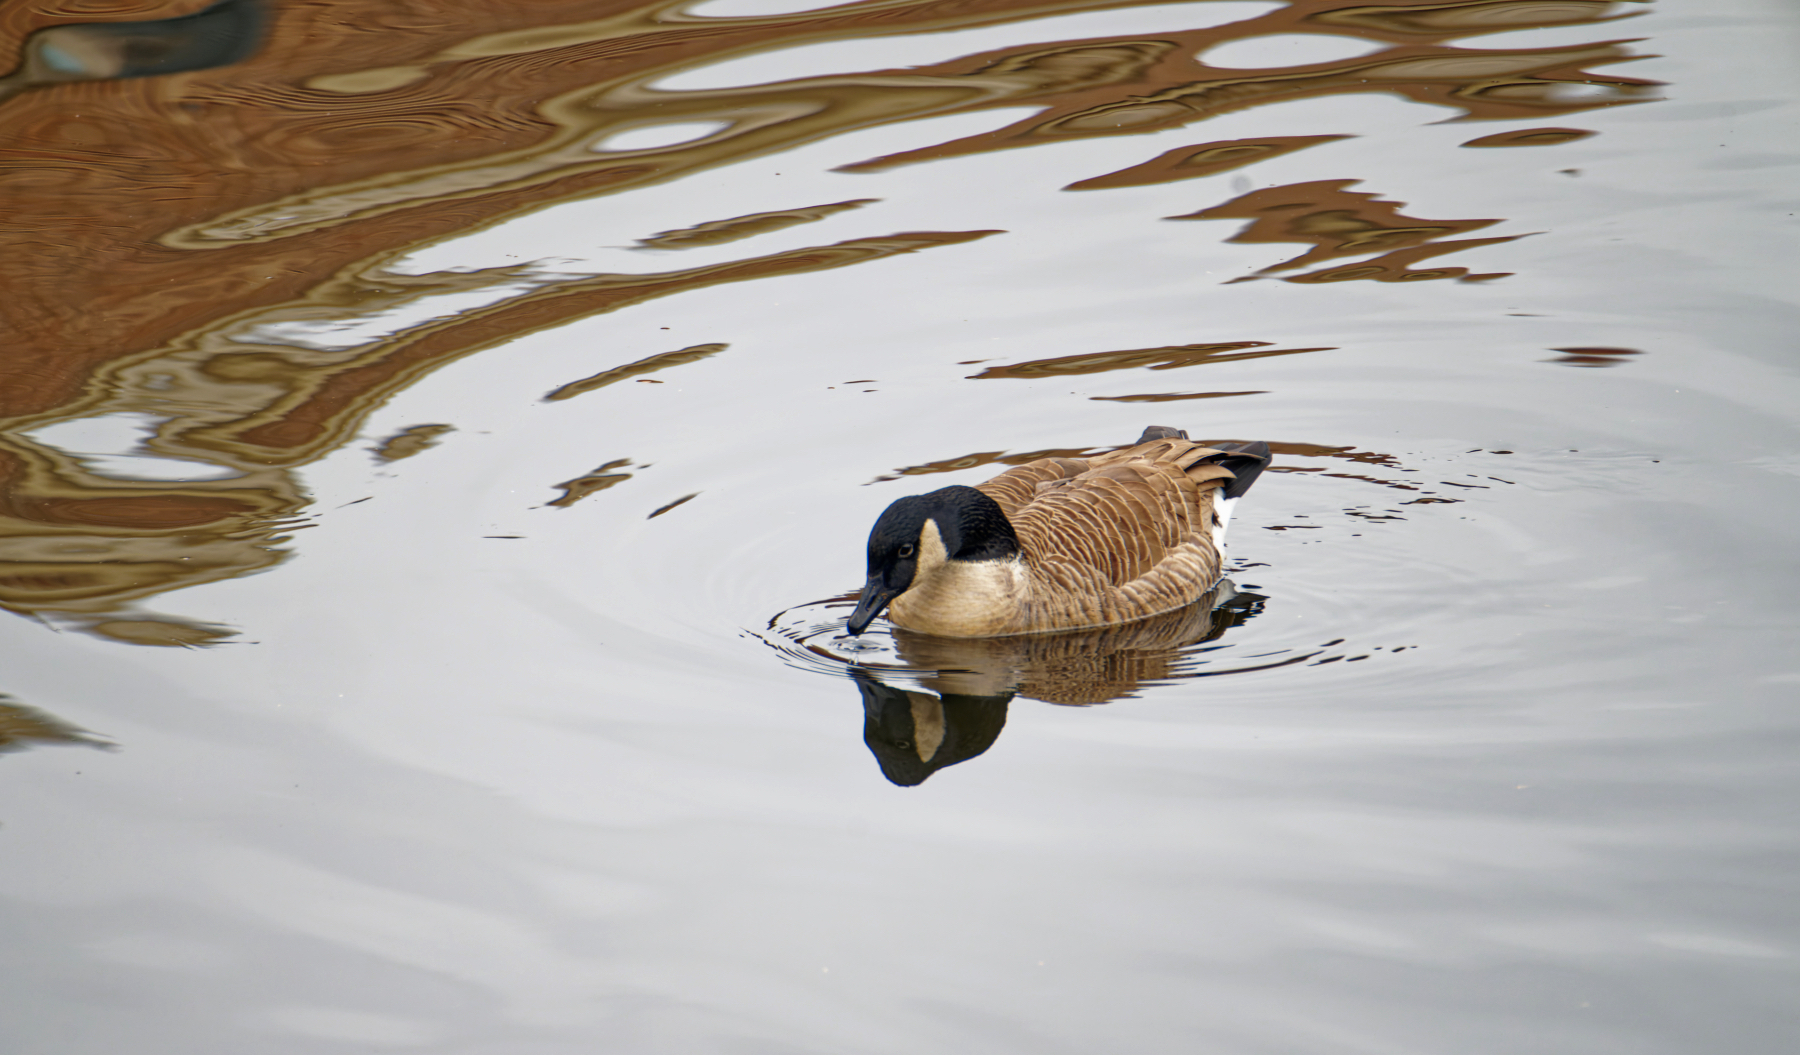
{"x":1221,"y":518}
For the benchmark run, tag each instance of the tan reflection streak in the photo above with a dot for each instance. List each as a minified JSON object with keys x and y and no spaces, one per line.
{"x":1397,"y":266}
{"x":970,"y":461}
{"x":586,"y":484}
{"x":1483,"y":84}
{"x":648,"y":365}
{"x":1531,"y":137}
{"x":1593,"y":357}
{"x":683,"y":500}
{"x":1339,"y":222}
{"x":1169,"y":397}
{"x":1207,"y":159}
{"x":718,"y":232}
{"x":1168,"y":358}
{"x":410,"y":441}
{"x":1470,"y":16}
{"x":21,"y":726}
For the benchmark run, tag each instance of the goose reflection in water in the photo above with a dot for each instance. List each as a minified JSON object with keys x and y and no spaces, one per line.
{"x":914,"y":733}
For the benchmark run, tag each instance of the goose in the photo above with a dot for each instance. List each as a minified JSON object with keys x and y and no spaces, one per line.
{"x":1060,"y":543}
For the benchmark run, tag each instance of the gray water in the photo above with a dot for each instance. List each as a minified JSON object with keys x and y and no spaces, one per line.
{"x":1492,"y":755}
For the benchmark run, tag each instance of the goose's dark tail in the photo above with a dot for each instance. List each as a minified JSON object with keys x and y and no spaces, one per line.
{"x":1245,"y":460}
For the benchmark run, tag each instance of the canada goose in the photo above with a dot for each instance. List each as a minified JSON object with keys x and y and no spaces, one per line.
{"x":1060,"y":543}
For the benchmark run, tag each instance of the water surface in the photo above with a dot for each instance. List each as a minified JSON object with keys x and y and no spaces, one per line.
{"x":420,"y":502}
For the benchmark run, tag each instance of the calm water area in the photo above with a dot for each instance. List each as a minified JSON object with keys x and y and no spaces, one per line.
{"x":439,"y":448}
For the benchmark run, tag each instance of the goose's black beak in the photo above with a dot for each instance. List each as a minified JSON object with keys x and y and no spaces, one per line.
{"x":875,"y":596}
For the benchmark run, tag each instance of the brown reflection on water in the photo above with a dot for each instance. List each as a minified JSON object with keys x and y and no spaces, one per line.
{"x":718,"y":232}
{"x":1593,"y":357}
{"x":1171,"y":397}
{"x":1467,"y":16}
{"x":971,"y":461}
{"x":647,"y":365}
{"x":599,"y":479}
{"x":1309,"y":450}
{"x":683,"y":500}
{"x":1532,"y":137}
{"x":1168,"y":357}
{"x":179,"y":241}
{"x":22,"y":726}
{"x":1154,"y":85}
{"x":314,"y":158}
{"x":1339,"y":222}
{"x":410,"y":441}
{"x":1207,"y":159}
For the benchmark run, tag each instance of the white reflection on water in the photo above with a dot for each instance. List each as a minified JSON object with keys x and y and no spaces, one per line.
{"x":1286,"y":49}
{"x":112,"y":445}
{"x":652,"y":136}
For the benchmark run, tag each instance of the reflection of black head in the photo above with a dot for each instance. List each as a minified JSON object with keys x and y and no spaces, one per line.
{"x":914,"y":734}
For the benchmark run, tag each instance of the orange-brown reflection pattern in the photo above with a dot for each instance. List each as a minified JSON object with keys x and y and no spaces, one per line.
{"x":1339,"y":222}
{"x":175,"y":231}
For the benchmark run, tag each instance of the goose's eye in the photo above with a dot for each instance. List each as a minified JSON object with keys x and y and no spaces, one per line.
{"x":906,"y":550}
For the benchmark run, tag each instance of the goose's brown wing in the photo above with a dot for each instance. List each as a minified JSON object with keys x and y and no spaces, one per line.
{"x":1015,"y":488}
{"x":1126,"y":513}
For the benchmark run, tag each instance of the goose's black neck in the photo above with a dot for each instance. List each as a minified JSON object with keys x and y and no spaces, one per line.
{"x":972,"y":525}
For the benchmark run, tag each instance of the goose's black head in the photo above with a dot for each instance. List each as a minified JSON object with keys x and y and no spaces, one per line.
{"x":954,"y":523}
